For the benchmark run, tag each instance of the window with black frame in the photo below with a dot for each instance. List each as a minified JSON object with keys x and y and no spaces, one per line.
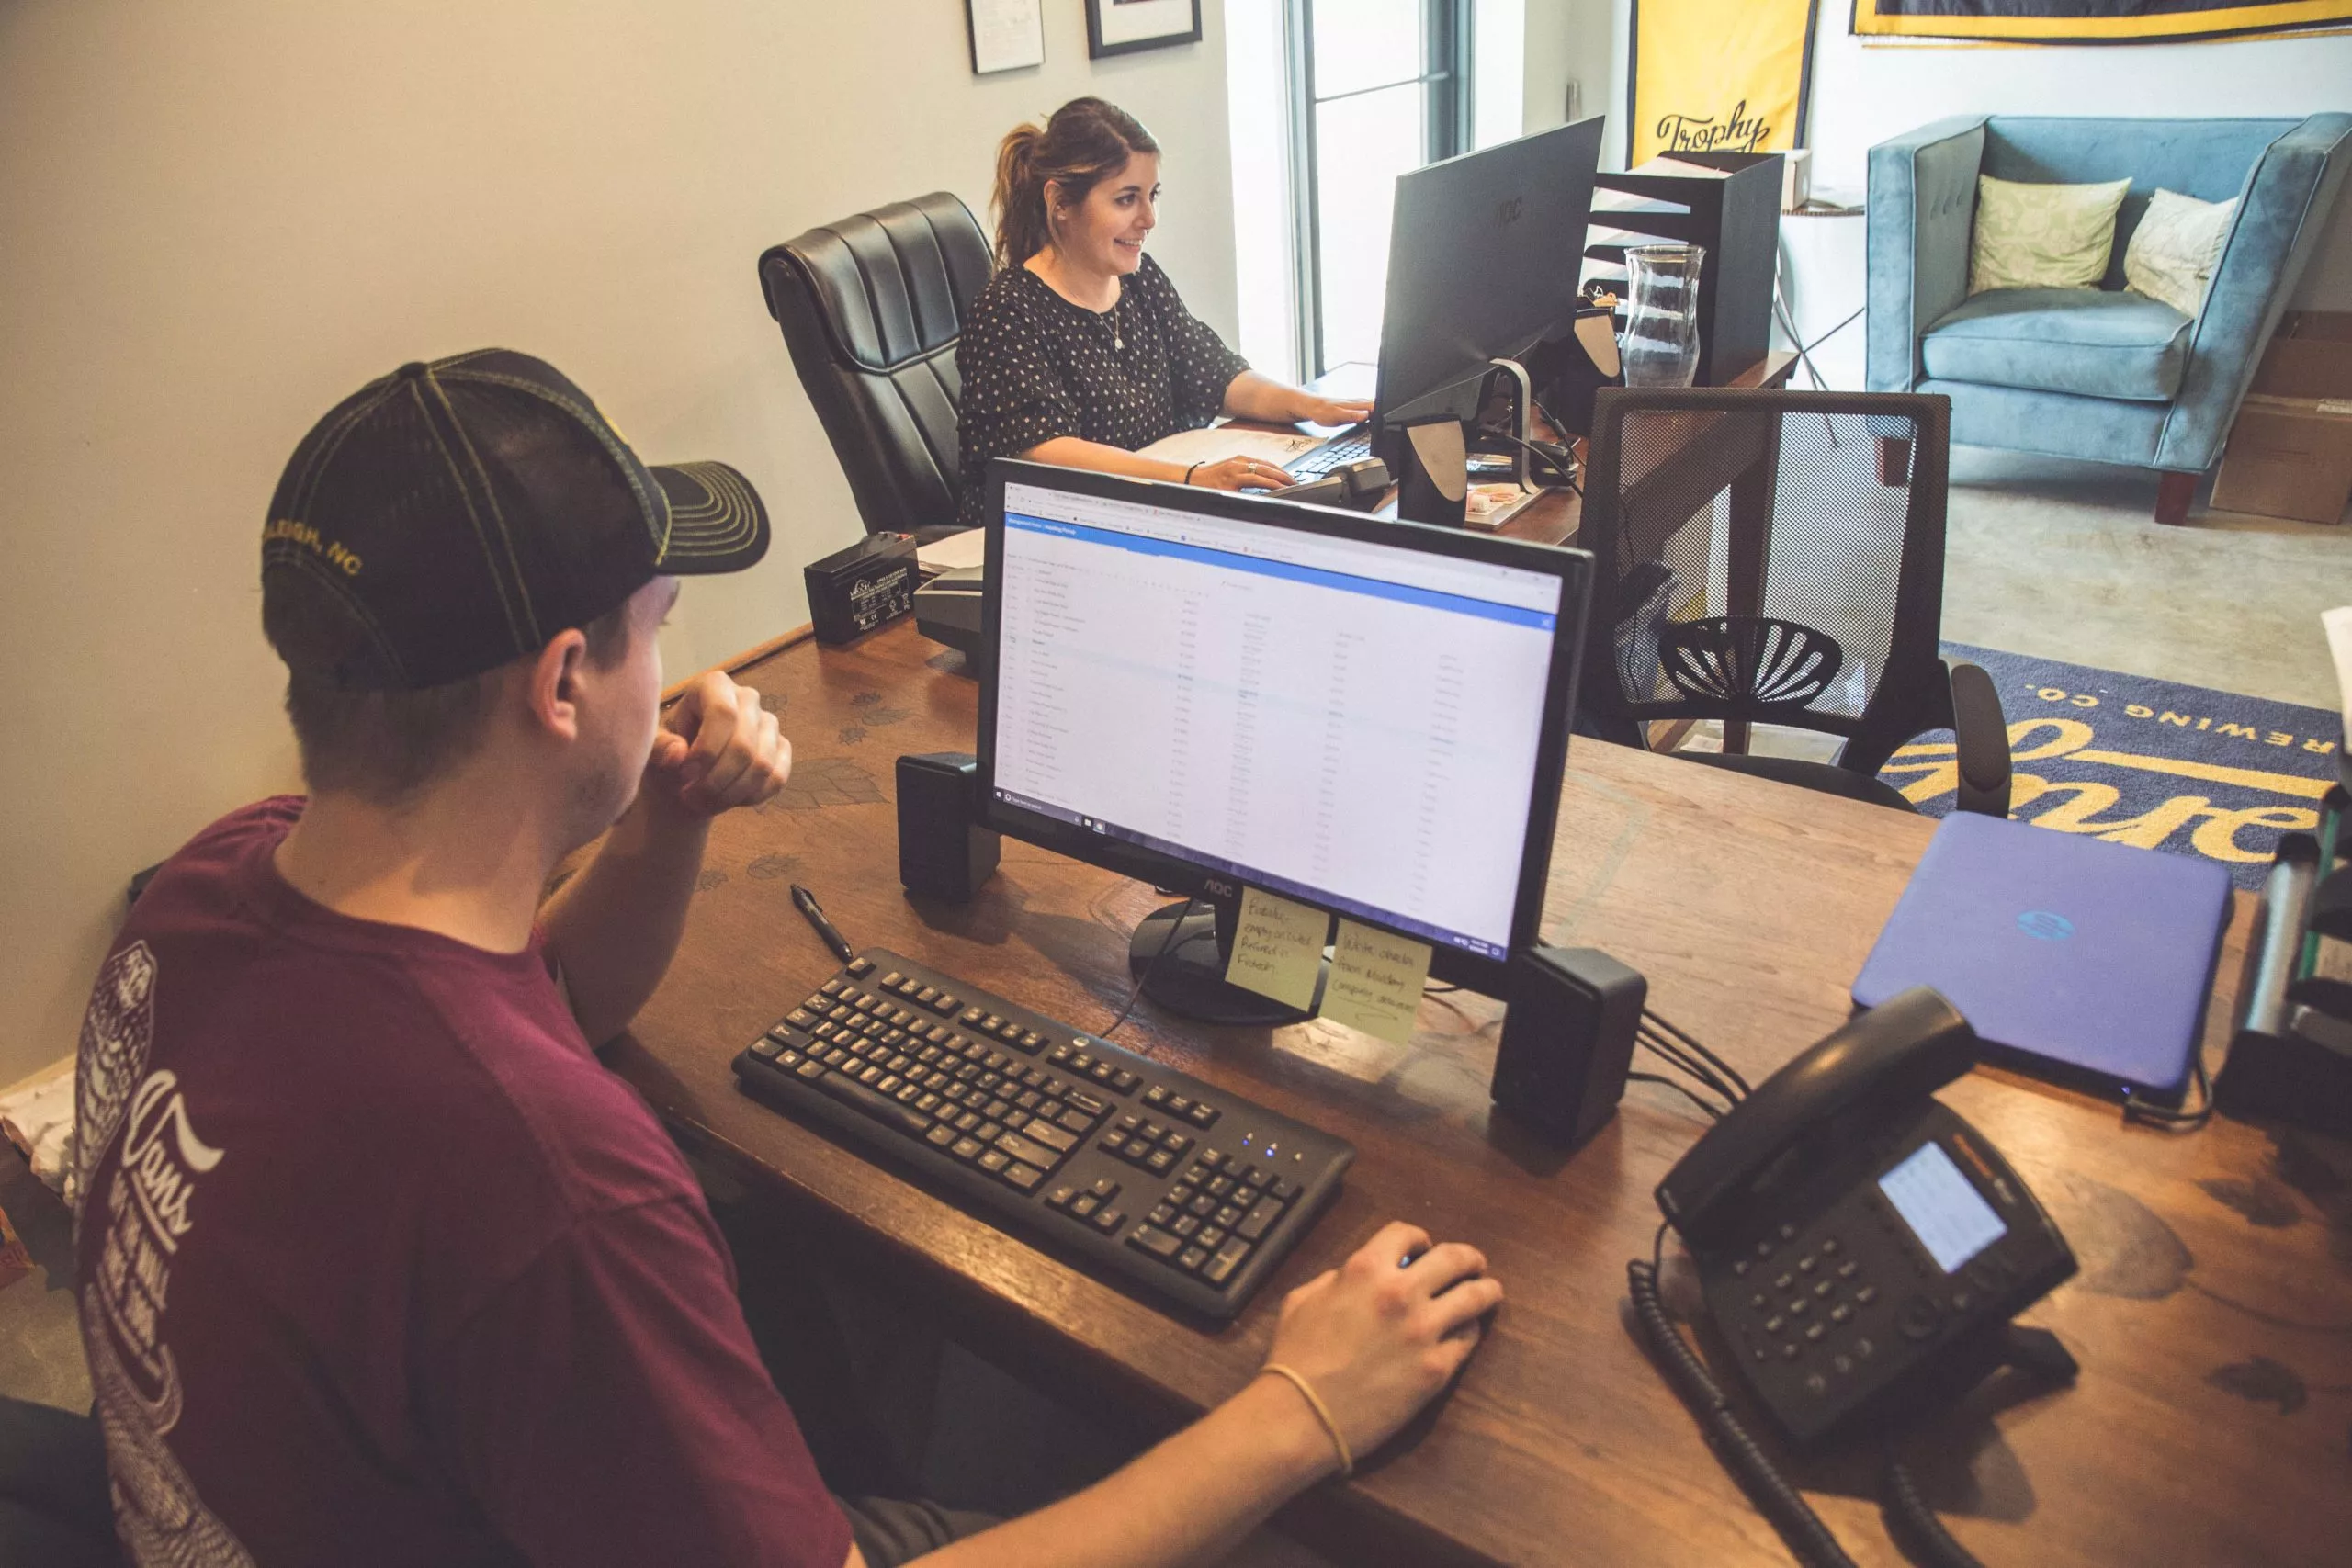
{"x":1377,"y":88}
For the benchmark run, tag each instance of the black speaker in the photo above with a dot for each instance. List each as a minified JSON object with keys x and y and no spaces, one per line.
{"x":1570,"y":369}
{"x":1568,"y":1040}
{"x":943,"y":849}
{"x":1433,"y":483}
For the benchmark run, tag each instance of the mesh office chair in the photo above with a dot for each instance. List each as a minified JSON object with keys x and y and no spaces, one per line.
{"x":871,"y":307}
{"x":1777,"y":558}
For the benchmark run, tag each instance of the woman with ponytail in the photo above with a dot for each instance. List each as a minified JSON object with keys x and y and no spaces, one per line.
{"x":1079,"y":351}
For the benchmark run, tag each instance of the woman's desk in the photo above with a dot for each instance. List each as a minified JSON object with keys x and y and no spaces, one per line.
{"x":2212,"y":1317}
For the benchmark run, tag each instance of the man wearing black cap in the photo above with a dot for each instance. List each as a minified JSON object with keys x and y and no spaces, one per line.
{"x":379,"y":1265}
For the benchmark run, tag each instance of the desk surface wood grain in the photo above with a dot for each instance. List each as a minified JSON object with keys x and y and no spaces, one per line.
{"x":2212,"y":1317}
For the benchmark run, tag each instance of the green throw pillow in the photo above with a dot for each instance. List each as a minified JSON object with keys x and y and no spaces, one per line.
{"x":2030,"y":236}
{"x":2175,"y":249}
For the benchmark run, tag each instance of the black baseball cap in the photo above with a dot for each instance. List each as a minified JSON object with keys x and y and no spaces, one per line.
{"x":450,"y":517}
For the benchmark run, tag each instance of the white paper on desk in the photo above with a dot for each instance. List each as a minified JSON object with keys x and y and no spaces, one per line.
{"x":1006,"y":35}
{"x":2338,"y":622}
{"x":1220,"y":441}
{"x":955,"y":552}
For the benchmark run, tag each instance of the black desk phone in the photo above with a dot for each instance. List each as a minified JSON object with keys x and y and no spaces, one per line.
{"x":1862,"y":1248}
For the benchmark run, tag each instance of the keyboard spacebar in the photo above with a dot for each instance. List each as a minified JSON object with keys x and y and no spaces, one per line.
{"x":914,"y":1123}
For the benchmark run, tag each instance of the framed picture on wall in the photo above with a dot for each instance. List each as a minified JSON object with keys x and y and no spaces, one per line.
{"x":1007,"y":35}
{"x":1121,"y":27}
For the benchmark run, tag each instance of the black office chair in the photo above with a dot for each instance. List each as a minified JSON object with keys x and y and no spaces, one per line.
{"x":871,"y":307}
{"x":1758,"y":565}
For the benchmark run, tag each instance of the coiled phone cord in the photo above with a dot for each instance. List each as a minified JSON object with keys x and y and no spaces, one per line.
{"x":1910,"y":1520}
{"x":1780,"y":1502}
{"x":1907,"y":1515}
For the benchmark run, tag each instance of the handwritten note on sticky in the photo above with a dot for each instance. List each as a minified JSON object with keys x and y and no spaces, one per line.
{"x":1377,"y":980}
{"x":1278,"y":949}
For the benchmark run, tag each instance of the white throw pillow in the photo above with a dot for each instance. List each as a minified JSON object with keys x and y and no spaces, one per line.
{"x":2035,"y":236}
{"x":2175,"y":249}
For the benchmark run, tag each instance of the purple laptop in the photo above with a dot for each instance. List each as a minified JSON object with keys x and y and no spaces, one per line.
{"x":2091,"y":958}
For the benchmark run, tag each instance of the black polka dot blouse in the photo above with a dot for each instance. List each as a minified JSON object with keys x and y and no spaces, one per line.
{"x":1034,"y":367}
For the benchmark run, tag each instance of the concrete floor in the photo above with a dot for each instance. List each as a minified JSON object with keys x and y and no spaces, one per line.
{"x":2052,"y":559}
{"x":2060,"y":560}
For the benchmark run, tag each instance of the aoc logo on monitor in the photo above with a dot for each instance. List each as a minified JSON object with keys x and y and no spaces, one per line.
{"x":2045,"y":926}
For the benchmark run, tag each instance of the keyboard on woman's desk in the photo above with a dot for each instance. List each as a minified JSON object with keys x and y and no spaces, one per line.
{"x":1349,"y":445}
{"x":1193,"y":1194}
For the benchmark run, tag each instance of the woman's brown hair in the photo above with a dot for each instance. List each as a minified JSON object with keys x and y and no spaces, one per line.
{"x":1086,"y":141}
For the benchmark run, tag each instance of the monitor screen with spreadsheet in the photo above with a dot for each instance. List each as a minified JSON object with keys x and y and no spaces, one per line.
{"x":1364,"y":716}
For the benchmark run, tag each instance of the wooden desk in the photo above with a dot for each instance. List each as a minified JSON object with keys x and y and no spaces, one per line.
{"x":2211,"y":1317}
{"x":1551,"y":518}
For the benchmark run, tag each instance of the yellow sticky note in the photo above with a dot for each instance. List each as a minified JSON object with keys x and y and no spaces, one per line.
{"x":1376,"y":981}
{"x":1278,"y":949}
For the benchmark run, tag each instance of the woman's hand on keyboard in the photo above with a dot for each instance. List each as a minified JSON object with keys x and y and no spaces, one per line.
{"x":1382,"y":1335}
{"x":1239,"y":473}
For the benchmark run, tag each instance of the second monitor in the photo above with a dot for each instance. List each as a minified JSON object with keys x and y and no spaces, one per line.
{"x":1209,"y":691}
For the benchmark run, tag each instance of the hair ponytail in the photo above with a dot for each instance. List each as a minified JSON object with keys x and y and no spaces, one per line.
{"x":1086,"y":141}
{"x":1020,"y":198}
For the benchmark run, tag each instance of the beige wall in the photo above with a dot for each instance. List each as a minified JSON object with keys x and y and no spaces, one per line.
{"x":215,"y":219}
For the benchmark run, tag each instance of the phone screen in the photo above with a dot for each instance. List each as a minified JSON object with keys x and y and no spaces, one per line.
{"x":1949,"y":1215}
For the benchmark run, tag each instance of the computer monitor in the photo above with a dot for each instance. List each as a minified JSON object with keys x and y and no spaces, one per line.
{"x":1485,"y":256}
{"x":1209,"y":691}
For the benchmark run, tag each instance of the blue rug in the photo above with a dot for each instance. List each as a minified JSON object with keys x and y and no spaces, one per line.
{"x":2139,"y":762}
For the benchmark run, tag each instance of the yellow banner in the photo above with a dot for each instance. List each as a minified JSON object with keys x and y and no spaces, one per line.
{"x":1720,"y":75}
{"x":2092,"y":21}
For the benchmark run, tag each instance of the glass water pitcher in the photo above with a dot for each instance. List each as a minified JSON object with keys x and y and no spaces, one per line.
{"x":1661,"y":338}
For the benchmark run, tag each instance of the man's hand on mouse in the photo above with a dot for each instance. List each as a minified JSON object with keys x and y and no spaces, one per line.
{"x":716,"y":749}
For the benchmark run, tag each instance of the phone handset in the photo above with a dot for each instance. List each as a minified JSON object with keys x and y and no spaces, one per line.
{"x":1893,"y":1056}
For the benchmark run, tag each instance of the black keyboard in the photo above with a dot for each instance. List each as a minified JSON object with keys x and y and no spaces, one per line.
{"x":1348,"y":447}
{"x":1176,"y":1185}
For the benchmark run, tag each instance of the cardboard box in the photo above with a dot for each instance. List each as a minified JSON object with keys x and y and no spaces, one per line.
{"x":2290,"y":453}
{"x":2288,"y":458}
{"x":2330,"y":326}
{"x":1796,"y":179}
{"x":2311,"y":356}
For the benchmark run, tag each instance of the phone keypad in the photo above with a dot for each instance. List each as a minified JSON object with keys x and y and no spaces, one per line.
{"x":1816,"y":1310}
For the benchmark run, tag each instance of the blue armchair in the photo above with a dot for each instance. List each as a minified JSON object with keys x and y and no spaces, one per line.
{"x":2105,"y":373}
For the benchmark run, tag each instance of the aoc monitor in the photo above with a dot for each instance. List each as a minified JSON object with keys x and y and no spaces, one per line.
{"x":1211,"y":692}
{"x":1485,"y":255}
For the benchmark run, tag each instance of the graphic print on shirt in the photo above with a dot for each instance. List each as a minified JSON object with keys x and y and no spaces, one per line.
{"x":160,"y":1521}
{"x":147,"y":1210}
{"x":116,"y":1033}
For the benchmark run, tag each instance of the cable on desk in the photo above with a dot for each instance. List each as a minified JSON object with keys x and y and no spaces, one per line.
{"x":1781,"y":1503}
{"x":1692,"y":1040}
{"x":1145,"y":978}
{"x":1556,"y":458}
{"x":2148,"y":1114}
{"x":1674,"y":1055}
{"x":1566,"y":442}
{"x":1714,"y":1113}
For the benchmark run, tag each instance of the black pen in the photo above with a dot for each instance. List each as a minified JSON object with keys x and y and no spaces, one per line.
{"x":807,"y":901}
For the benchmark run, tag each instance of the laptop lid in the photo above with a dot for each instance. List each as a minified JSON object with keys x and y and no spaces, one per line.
{"x":2064,"y":952}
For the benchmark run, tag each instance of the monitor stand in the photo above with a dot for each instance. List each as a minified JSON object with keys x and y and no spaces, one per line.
{"x":1189,"y":978}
